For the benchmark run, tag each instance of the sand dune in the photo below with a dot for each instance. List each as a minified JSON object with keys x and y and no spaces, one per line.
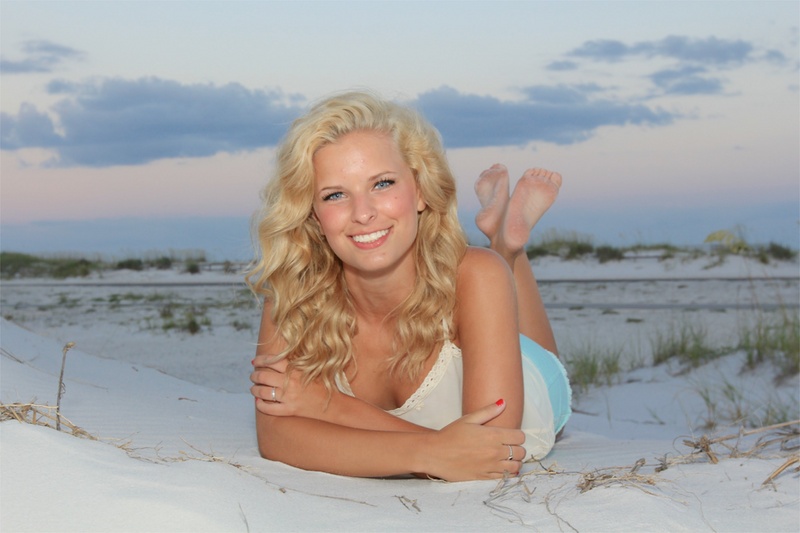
{"x":172,"y":444}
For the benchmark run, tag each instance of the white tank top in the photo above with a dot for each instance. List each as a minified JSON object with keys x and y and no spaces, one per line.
{"x":437,"y":402}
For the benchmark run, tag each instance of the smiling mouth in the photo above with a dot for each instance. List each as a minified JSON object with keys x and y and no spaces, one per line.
{"x":370,"y":237}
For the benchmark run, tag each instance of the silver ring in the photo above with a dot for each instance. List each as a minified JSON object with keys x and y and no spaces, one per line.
{"x":274,"y":397}
{"x":510,"y":453}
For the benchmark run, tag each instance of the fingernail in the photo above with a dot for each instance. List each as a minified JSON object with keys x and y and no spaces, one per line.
{"x":500,"y":402}
{"x":253,"y":362}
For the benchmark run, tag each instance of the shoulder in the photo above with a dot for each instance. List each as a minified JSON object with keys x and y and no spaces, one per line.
{"x":484,"y":280}
{"x":480,"y":266}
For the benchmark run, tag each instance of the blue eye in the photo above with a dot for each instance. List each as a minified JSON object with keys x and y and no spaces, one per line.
{"x":332,"y":196}
{"x":384,"y":183}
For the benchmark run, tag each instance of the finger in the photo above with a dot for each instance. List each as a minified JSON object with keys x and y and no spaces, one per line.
{"x":514,"y":453}
{"x":266,"y":393}
{"x":269,"y":361}
{"x":485,"y":414}
{"x":511,"y":463}
{"x":271,"y":408}
{"x":260,"y":377}
{"x":266,"y":376}
{"x":511,"y":467}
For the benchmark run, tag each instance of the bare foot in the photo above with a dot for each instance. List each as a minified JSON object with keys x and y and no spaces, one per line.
{"x":492,"y":191}
{"x":534,"y":193}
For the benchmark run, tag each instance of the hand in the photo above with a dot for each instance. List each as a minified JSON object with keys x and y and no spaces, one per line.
{"x":279,"y":393}
{"x":467,"y":449}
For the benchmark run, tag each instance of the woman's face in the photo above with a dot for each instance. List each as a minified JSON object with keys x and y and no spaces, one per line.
{"x":367,"y":202}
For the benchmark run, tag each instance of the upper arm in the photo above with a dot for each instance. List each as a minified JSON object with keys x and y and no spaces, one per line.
{"x":488,"y":334}
{"x":269,"y":341}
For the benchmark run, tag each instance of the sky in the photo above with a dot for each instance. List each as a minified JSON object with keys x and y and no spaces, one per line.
{"x":132,"y":126}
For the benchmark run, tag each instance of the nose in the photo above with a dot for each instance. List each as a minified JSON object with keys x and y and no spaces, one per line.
{"x":363,"y":209}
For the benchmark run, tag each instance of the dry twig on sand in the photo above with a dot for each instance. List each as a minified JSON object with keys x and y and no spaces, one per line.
{"x":40,"y":415}
{"x":784,"y":466}
{"x":61,"y":388}
{"x":782,"y":434}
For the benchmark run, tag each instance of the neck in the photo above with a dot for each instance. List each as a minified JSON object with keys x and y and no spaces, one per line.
{"x":376,"y":296}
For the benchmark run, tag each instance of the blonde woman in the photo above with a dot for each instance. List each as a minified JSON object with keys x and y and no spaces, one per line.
{"x":387,"y":345}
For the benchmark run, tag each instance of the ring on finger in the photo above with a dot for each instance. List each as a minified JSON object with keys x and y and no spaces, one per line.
{"x":274,"y":396}
{"x":510,"y":453}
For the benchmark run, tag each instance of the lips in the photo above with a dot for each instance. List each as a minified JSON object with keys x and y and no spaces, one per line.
{"x":370,"y":237}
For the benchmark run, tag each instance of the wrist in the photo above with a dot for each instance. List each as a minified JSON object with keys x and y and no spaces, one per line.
{"x":422,"y":452}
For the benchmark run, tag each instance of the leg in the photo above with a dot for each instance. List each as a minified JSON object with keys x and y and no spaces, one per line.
{"x":533,"y":195}
{"x":533,"y":321}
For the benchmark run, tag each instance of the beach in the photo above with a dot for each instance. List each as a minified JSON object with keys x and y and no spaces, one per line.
{"x":156,"y":392}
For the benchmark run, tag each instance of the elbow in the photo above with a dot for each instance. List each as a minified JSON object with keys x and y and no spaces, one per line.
{"x":266,"y":435}
{"x":263,"y":448}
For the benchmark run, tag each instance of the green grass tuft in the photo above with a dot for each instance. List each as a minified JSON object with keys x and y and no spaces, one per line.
{"x":589,"y":366}
{"x":688,"y":343}
{"x":13,"y":265}
{"x":775,"y":339}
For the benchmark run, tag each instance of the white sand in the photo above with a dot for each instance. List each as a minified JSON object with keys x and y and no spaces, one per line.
{"x":180,"y":454}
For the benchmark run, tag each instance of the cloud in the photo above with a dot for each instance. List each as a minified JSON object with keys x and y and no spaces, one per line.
{"x":709,"y":51}
{"x":41,"y":56}
{"x":774,"y":56}
{"x":562,"y":66}
{"x":602,"y":50}
{"x":560,"y":114}
{"x":693,"y":59}
{"x":123,"y":122}
{"x":686,"y":80}
{"x":28,"y":128}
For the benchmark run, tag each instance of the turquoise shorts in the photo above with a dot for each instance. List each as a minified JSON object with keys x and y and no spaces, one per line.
{"x":555,"y":377}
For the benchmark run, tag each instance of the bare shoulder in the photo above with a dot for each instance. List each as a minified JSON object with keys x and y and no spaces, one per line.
{"x":481,"y":266}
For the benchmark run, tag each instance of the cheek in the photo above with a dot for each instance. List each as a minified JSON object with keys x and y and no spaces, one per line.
{"x":328,"y":220}
{"x":407,"y":203}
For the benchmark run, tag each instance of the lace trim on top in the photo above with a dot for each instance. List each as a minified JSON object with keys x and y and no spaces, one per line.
{"x":437,"y":372}
{"x":448,"y":351}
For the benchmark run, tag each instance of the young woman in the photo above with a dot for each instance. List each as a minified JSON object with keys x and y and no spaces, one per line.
{"x":387,"y":345}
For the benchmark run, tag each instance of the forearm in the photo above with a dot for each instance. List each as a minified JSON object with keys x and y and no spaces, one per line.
{"x":348,"y":411}
{"x":466,"y":449}
{"x":323,"y":446}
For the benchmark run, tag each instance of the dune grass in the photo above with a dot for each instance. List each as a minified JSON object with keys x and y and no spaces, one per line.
{"x":569,"y":245}
{"x":728,"y":406}
{"x":774,"y":338}
{"x":590,"y":365}
{"x":688,"y":343}
{"x":21,"y":265}
{"x":180,"y":317}
{"x":717,"y":247}
{"x":14,"y":264}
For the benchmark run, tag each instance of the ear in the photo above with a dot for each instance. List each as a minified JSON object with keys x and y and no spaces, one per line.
{"x":421,"y":205}
{"x":313,"y":218}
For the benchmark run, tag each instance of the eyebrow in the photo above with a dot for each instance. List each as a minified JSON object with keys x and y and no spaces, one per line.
{"x":371,"y":179}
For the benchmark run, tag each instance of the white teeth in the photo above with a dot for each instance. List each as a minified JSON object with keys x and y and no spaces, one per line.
{"x":370,"y":237}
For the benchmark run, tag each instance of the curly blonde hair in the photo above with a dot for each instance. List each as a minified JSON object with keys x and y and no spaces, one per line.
{"x":298,"y":272}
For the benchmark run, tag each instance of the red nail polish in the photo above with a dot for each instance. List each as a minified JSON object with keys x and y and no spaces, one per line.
{"x":253,"y":362}
{"x":500,"y":402}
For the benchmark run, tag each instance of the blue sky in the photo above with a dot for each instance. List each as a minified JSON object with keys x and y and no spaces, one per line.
{"x":131,"y":126}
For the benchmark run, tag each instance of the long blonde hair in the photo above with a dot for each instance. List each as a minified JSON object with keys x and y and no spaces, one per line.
{"x":298,"y":272}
